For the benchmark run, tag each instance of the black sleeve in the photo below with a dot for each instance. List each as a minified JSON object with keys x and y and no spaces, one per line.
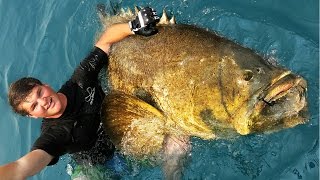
{"x":53,"y":142}
{"x":87,"y":72}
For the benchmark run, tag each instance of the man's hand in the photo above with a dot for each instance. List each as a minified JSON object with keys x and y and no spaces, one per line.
{"x":145,"y":22}
{"x":26,"y":166}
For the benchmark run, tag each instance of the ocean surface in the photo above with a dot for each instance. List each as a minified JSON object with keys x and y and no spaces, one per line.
{"x":47,"y":39}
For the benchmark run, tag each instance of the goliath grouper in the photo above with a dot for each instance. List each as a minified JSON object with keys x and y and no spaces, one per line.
{"x":186,"y":81}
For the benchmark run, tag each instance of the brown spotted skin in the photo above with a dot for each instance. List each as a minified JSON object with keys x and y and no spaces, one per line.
{"x":204,"y":84}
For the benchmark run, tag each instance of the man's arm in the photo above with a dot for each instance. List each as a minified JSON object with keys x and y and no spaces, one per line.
{"x":26,"y":166}
{"x":89,"y":68}
{"x":86,"y":74}
{"x":113,"y":34}
{"x":144,"y":24}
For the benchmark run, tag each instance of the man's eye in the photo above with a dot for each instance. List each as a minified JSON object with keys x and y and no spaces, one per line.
{"x":39,"y":92}
{"x":34,"y":107}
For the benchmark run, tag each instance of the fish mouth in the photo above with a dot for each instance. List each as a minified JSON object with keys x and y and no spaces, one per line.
{"x":281,"y":104}
{"x":281,"y":86}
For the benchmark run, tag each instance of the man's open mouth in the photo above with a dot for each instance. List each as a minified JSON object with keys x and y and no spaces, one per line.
{"x":50,"y":103}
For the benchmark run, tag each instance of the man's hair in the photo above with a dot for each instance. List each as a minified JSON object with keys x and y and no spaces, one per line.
{"x":19,"y":91}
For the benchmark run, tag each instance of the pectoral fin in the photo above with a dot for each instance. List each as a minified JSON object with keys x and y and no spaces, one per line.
{"x":135,"y":127}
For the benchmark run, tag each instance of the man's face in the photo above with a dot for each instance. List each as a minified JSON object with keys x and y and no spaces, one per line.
{"x":43,"y":102}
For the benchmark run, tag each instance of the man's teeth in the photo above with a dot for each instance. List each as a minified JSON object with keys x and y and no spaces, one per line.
{"x":50,"y":101}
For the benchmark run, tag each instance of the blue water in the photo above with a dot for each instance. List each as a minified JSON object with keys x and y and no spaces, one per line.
{"x":47,"y":39}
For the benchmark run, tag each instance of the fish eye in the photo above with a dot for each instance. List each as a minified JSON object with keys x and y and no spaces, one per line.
{"x":247,"y":75}
{"x":259,"y":70}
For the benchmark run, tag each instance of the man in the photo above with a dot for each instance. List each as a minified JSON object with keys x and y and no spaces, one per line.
{"x":71,"y":116}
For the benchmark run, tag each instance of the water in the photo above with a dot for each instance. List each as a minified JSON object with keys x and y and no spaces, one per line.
{"x":47,"y":39}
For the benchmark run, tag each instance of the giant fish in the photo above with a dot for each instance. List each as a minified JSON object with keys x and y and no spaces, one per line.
{"x":188,"y":81}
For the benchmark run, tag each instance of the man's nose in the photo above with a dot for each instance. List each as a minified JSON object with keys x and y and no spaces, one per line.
{"x":42,"y":101}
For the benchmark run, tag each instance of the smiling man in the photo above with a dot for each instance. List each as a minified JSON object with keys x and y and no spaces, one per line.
{"x":71,"y":117}
{"x":42,"y":102}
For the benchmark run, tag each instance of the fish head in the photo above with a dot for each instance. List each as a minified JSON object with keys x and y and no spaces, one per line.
{"x":272,"y":97}
{"x":281,"y":104}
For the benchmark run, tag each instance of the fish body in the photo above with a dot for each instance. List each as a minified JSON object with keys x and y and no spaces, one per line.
{"x":192,"y":82}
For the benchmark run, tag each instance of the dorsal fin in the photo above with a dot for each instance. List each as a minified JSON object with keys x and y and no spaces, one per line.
{"x":164,"y":18}
{"x":173,"y":20}
{"x":129,"y":11}
{"x":136,"y":9}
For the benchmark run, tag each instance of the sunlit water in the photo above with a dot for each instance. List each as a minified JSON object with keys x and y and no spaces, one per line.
{"x":47,"y":39}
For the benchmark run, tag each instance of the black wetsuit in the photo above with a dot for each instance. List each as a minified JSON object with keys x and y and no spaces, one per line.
{"x":79,"y":127}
